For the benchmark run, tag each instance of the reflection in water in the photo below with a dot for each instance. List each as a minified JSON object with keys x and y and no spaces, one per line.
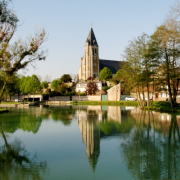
{"x":96,"y":122}
{"x":149,"y":142}
{"x":15,"y":161}
{"x":152,"y":149}
{"x":91,"y":136}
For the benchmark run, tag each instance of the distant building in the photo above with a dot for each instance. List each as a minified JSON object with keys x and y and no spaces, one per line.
{"x":91,"y":65}
{"x":81,"y":87}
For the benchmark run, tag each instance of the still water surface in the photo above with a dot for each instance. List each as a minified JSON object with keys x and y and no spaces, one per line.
{"x":89,"y":142}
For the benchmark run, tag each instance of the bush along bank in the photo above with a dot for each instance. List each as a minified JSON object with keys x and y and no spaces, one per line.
{"x":3,"y":111}
{"x":106,"y":103}
{"x":162,"y":106}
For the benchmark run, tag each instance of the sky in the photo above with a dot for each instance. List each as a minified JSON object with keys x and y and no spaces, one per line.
{"x":67,"y":23}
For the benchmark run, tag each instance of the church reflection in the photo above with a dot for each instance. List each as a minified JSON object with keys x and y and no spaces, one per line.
{"x":89,"y":121}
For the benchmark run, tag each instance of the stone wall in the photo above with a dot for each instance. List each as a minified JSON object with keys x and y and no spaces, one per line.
{"x":87,"y":98}
{"x":114,"y":94}
{"x":59,"y":98}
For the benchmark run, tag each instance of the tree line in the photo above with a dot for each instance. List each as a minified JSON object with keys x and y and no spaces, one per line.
{"x":20,"y":53}
{"x":152,"y":61}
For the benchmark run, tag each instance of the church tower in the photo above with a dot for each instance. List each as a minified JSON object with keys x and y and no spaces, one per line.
{"x":90,"y":62}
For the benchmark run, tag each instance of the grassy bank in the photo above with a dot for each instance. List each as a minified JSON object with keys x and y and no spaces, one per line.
{"x":3,"y":110}
{"x":10,"y":102}
{"x":163,"y":106}
{"x":106,"y":103}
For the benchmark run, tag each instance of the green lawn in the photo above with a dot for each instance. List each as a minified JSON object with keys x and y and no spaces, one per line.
{"x":106,"y":103}
{"x":163,"y":106}
{"x":10,"y":102}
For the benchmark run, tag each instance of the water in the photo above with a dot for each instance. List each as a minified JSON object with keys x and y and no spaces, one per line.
{"x":88,"y":142}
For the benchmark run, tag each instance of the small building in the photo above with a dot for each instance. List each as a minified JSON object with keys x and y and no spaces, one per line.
{"x":81,"y":87}
{"x":114,"y":93}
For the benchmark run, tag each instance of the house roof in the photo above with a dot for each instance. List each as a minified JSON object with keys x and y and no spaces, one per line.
{"x":114,"y":66}
{"x":91,"y":39}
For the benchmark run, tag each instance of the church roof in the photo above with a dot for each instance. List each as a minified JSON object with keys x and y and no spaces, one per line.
{"x":91,"y":39}
{"x":114,"y":66}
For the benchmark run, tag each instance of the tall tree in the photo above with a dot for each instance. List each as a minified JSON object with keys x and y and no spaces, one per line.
{"x":55,"y":83}
{"x":24,"y":84}
{"x":66,"y":78}
{"x":34,"y":85}
{"x":142,"y":60}
{"x":18,"y":55}
{"x":105,"y":74}
{"x":44,"y":84}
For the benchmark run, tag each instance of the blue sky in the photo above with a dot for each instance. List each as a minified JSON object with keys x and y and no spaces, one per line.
{"x":67,"y":23}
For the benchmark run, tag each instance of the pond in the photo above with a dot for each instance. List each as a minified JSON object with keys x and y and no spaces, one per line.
{"x":88,"y":142}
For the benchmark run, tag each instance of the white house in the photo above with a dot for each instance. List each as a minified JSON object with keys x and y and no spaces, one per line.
{"x":81,"y":87}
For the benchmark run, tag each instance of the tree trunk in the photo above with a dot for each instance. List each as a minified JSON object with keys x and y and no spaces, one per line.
{"x":2,"y":91}
{"x":168,"y":78}
{"x":174,"y":91}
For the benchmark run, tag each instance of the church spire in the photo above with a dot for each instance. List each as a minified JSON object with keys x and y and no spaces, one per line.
{"x":91,"y":39}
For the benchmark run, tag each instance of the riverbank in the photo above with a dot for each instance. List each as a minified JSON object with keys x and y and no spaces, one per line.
{"x":106,"y":103}
{"x":3,"y":110}
{"x":162,"y":106}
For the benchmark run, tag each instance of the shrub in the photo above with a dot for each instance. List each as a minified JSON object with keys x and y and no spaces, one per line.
{"x":105,"y":88}
{"x":91,"y":88}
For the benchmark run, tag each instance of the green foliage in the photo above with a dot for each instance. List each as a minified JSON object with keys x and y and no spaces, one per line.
{"x":105,"y":74}
{"x":54,"y":93}
{"x":63,"y":88}
{"x":80,"y":93}
{"x":16,"y":56}
{"x":34,"y":85}
{"x":24,"y":84}
{"x":44,"y":84}
{"x":163,"y":106}
{"x":30,"y":85}
{"x":55,"y":83}
{"x":66,"y":78}
{"x":105,"y":88}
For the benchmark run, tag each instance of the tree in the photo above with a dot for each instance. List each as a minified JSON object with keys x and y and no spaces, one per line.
{"x":105,"y":74}
{"x":55,"y":83}
{"x":14,"y":57}
{"x":34,"y":85}
{"x":168,"y":46}
{"x":66,"y":78}
{"x":44,"y":84}
{"x":63,"y":88}
{"x":24,"y":84}
{"x":125,"y":79}
{"x":91,"y":88}
{"x":142,"y":60}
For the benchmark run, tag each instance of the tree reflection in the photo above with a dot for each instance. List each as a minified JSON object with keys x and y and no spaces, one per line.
{"x":15,"y":162}
{"x":64,"y":115}
{"x":30,"y":122}
{"x":150,"y":152}
{"x":95,"y":124}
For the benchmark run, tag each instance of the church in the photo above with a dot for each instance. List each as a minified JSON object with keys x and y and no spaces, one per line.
{"x":91,"y":65}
